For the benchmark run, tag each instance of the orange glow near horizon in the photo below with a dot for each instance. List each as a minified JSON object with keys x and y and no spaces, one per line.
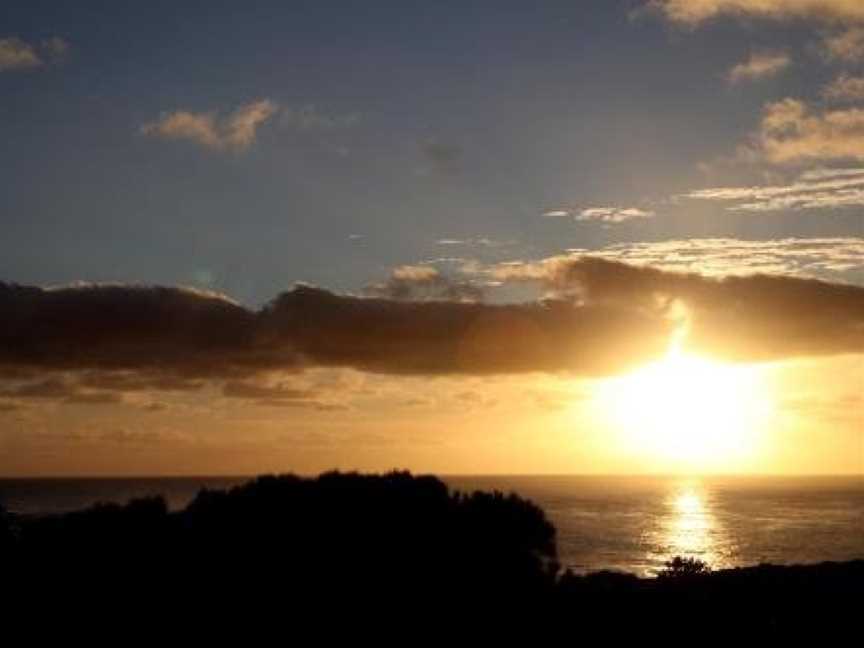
{"x":688,"y":413}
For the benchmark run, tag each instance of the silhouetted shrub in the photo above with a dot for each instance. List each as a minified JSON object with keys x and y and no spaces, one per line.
{"x":680,"y":567}
{"x":360,"y":535}
{"x":376,"y":551}
{"x":7,"y":533}
{"x":335,"y":540}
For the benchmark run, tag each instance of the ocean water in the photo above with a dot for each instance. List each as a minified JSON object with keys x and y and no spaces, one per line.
{"x":633,"y":524}
{"x":636,"y":524}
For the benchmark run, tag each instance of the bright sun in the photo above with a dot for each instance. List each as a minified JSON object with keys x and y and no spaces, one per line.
{"x":689,"y":411}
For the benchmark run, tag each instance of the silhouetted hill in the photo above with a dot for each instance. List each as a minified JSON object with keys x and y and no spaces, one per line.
{"x":763,"y":600}
{"x":397,"y":548}
{"x":339,"y":540}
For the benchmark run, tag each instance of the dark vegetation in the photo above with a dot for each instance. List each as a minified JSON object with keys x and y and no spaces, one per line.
{"x":387,"y":550}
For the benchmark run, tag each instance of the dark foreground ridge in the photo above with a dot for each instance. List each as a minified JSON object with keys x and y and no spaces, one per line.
{"x":390,"y":548}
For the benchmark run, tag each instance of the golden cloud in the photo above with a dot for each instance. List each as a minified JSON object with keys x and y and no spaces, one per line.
{"x":790,"y":132}
{"x":694,"y":12}
{"x":760,"y":65}
{"x":233,"y":132}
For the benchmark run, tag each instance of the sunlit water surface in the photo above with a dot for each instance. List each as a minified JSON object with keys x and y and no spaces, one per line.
{"x":637,"y":524}
{"x":634,"y":524}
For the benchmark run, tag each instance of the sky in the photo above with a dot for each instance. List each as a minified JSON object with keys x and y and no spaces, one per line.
{"x":458,"y":237}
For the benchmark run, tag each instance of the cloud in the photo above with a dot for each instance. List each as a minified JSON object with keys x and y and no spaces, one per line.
{"x":694,"y":12}
{"x":791,"y":133}
{"x":832,"y":259}
{"x":760,"y":65}
{"x":55,"y":47}
{"x":600,"y":214}
{"x":257,"y":391}
{"x":107,"y":398}
{"x":60,"y":389}
{"x":415,"y":273}
{"x":279,"y":395}
{"x":437,"y":337}
{"x":846,"y":46}
{"x":827,"y":258}
{"x":845,"y":88}
{"x":613,"y":214}
{"x":480,"y":241}
{"x":473,"y":399}
{"x":139,"y":381}
{"x":117,"y":327}
{"x":823,"y":173}
{"x":230,"y":132}
{"x":815,"y":189}
{"x":606,"y":317}
{"x":48,"y":388}
{"x":746,"y":318}
{"x":16,"y":54}
{"x":424,"y":283}
{"x":201,"y":336}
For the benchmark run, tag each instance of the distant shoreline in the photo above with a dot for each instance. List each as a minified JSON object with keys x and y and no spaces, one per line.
{"x":457,"y":476}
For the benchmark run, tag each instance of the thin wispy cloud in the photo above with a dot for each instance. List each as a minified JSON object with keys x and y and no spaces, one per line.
{"x":828,"y":173}
{"x":790,"y":132}
{"x":613,"y":214}
{"x":815,"y":189}
{"x":17,"y":54}
{"x":425,"y":283}
{"x":233,"y":132}
{"x":846,"y":46}
{"x":760,"y":65}
{"x":694,"y":12}
{"x":836,"y":259}
{"x":608,"y":215}
{"x":845,"y":88}
{"x":479,"y":241}
{"x":275,"y":395}
{"x":54,"y":48}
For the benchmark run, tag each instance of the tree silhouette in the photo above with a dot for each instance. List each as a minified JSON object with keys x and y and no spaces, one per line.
{"x":7,"y":533}
{"x":383,"y":549}
{"x":688,"y":567}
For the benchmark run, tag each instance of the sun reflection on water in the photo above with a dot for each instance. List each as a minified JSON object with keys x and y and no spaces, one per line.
{"x":690,"y":529}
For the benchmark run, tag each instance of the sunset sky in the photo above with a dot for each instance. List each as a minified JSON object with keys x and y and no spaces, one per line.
{"x":569,"y":236}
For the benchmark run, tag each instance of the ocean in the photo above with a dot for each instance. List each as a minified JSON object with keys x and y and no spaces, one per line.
{"x":632,"y":524}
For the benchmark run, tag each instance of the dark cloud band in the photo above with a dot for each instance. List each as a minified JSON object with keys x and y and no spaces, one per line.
{"x":756,"y":317}
{"x":610,"y":317}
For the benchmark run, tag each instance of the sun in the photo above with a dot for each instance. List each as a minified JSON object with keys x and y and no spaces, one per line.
{"x":689,"y":412}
